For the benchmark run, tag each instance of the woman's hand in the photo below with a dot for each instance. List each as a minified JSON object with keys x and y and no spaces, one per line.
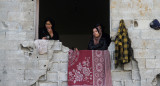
{"x":75,"y":49}
{"x":45,"y":38}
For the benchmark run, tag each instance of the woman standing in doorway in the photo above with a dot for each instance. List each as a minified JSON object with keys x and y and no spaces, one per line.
{"x":97,"y":42}
{"x":48,"y":32}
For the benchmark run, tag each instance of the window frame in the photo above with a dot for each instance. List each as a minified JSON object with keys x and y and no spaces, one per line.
{"x":37,"y":20}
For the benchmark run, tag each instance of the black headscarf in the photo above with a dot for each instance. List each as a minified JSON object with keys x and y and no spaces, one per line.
{"x":51,"y":21}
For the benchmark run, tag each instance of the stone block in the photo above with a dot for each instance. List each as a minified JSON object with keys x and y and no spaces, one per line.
{"x":60,"y":57}
{"x":3,"y":55}
{"x":156,"y":5}
{"x":12,"y":74}
{"x":134,"y":34}
{"x":150,"y":63}
{"x":135,"y":65}
{"x":15,"y":16}
{"x":64,"y":83}
{"x":141,"y":63}
{"x":2,"y":35}
{"x":50,"y":44}
{"x":145,"y":83}
{"x":56,"y":58}
{"x":65,"y":49}
{"x":125,"y":5}
{"x":2,"y":64}
{"x":155,"y":14}
{"x":18,"y":64}
{"x":50,"y":54}
{"x":43,"y":57}
{"x":153,"y":34}
{"x":63,"y":67}
{"x":10,"y":6}
{"x":31,"y":64}
{"x":132,"y":83}
{"x":144,"y":53}
{"x":43,"y":64}
{"x":33,"y":74}
{"x":28,"y":6}
{"x":138,"y":43}
{"x":114,"y":5}
{"x":146,"y":43}
{"x":48,"y":84}
{"x":15,"y":55}
{"x":147,"y":73}
{"x":3,"y":17}
{"x":157,"y":63}
{"x":136,"y":75}
{"x":20,"y":16}
{"x":57,"y":45}
{"x":9,"y":45}
{"x":55,"y":67}
{"x":117,"y":83}
{"x":143,"y":24}
{"x":52,"y":77}
{"x":30,"y":36}
{"x":63,"y":76}
{"x":115,"y":25}
{"x":27,"y":25}
{"x":11,"y":35}
{"x":64,"y":58}
{"x":118,"y":76}
{"x":13,"y":83}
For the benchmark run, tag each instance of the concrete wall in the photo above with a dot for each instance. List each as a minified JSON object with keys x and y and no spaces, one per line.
{"x":21,"y":65}
{"x":145,"y":41}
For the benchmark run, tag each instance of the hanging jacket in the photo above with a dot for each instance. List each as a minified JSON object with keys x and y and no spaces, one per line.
{"x":122,"y":45}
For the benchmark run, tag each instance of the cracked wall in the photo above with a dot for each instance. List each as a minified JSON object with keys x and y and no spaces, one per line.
{"x":21,"y":65}
{"x":50,"y":69}
{"x":137,"y":15}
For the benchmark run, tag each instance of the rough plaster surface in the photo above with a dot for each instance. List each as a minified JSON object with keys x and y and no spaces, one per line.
{"x":21,"y":65}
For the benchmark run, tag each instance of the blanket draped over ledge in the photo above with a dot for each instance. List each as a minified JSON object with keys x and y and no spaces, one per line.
{"x":89,"y":68}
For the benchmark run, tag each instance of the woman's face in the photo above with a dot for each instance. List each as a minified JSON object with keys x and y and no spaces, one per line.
{"x":48,"y":25}
{"x":95,"y":33}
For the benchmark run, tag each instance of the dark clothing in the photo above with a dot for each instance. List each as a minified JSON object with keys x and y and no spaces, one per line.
{"x":44,"y":33}
{"x":107,"y":37}
{"x":101,"y":46}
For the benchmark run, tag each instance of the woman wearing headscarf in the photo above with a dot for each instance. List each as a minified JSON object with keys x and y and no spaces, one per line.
{"x":97,"y":42}
{"x":104,"y":35}
{"x":48,"y":32}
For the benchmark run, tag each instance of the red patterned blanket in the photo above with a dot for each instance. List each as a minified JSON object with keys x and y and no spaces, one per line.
{"x":89,"y":68}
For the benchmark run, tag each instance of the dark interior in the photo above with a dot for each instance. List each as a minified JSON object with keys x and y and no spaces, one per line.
{"x":74,"y":19}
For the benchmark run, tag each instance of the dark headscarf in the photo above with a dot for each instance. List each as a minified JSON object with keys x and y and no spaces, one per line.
{"x":51,"y":21}
{"x":102,"y":27}
{"x":96,"y":39}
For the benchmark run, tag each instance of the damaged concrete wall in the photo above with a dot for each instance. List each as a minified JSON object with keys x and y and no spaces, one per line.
{"x":49,"y":69}
{"x":21,"y":65}
{"x":145,"y":41}
{"x":16,"y":26}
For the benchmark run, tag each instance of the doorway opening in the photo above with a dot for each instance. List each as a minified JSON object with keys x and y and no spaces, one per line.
{"x":74,"y":19}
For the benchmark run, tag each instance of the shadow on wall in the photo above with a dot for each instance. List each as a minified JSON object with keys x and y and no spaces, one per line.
{"x":156,"y":81}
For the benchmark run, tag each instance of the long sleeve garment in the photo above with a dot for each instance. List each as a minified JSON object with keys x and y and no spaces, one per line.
{"x":122,"y":45}
{"x":102,"y":45}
